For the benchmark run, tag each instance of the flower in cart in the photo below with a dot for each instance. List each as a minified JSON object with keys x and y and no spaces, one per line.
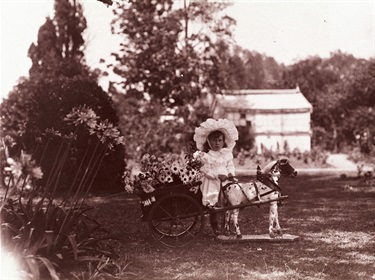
{"x":185,"y":178}
{"x":147,"y":187}
{"x":140,"y":183}
{"x":129,"y":186}
{"x":168,"y":179}
{"x":190,"y":176}
{"x":184,"y":175}
{"x":155,"y":172}
{"x":175,"y":167}
{"x":165,"y":175}
{"x":193,"y":173}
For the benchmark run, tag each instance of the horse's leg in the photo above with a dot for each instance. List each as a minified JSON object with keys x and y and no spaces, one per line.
{"x":235,"y":222}
{"x":214,"y":224}
{"x":278,"y":228}
{"x":276,"y":222}
{"x":274,"y":226}
{"x":228,"y":215}
{"x":272,"y":216}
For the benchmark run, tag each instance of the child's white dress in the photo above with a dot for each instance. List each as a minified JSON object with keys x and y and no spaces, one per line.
{"x":215,"y":163}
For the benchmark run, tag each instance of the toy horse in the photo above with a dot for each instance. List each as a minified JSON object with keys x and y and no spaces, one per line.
{"x":265,"y":187}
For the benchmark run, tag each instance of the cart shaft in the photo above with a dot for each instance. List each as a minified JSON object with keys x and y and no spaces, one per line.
{"x":253,"y":203}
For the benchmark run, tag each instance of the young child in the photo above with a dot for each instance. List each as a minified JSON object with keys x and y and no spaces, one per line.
{"x":216,"y":139}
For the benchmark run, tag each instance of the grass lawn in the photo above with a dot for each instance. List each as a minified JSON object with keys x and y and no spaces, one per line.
{"x":333,"y":217}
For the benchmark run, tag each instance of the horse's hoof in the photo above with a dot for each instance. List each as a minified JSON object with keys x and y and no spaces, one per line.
{"x":227,"y":233}
{"x":276,"y":234}
{"x":279,"y":234}
{"x":216,"y":229}
{"x":239,"y":236}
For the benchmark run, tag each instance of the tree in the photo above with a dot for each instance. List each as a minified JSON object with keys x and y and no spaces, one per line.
{"x":337,"y":87}
{"x":161,"y":57}
{"x":358,"y":124}
{"x":60,"y":44}
{"x":59,"y":81}
{"x":166,"y":65}
{"x":243,"y":69}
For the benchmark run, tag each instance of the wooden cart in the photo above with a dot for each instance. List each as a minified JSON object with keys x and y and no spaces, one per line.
{"x":175,"y":214}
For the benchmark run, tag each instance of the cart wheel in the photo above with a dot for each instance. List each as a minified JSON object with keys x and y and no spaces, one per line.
{"x":176,"y":220}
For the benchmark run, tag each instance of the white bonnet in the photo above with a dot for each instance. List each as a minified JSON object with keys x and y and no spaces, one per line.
{"x":227,"y":127}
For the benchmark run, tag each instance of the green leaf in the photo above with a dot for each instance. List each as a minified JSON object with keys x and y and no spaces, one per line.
{"x":48,"y":264}
{"x":73,"y":243}
{"x":33,"y":266}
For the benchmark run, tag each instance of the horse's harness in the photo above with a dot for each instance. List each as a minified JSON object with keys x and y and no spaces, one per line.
{"x":266,"y":179}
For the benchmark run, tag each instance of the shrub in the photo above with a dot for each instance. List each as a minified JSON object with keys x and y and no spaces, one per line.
{"x":46,"y":232}
{"x":34,"y":106}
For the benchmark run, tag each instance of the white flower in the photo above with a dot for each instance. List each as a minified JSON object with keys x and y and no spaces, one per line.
{"x":129,"y":188}
{"x":197,"y":155}
{"x":175,"y":167}
{"x":147,"y":188}
{"x":168,"y":179}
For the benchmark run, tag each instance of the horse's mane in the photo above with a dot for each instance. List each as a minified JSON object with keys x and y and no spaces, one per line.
{"x":266,"y":169}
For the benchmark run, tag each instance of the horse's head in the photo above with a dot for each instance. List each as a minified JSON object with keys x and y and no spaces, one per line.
{"x":280,"y":167}
{"x":285,"y":168}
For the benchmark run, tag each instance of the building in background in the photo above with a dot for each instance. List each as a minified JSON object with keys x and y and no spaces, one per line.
{"x":278,"y":118}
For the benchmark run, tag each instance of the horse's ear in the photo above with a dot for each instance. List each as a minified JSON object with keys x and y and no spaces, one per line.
{"x":259,"y":171}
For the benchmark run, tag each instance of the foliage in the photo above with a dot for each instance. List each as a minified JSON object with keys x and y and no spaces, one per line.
{"x":341,"y":89}
{"x":107,"y":2}
{"x":60,"y":44}
{"x":147,"y":130}
{"x":161,"y":57}
{"x":21,"y":174}
{"x":156,"y":172}
{"x":43,"y":236}
{"x":104,"y":268}
{"x":59,"y":81}
{"x":26,"y":115}
{"x":246,"y":139}
{"x":316,"y":157}
{"x":86,"y":132}
{"x":244,"y":69}
{"x":143,"y":129}
{"x":45,"y":233}
{"x":167,"y":67}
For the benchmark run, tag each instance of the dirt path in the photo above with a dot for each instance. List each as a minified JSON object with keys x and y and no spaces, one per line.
{"x":341,"y":161}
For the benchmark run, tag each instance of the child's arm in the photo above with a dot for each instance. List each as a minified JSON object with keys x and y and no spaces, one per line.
{"x":230,"y":167}
{"x":207,"y":169}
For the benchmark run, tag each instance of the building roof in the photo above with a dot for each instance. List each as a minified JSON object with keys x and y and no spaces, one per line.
{"x":264,"y":100}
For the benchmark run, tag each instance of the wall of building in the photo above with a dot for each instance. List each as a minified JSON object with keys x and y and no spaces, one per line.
{"x":282,"y":122}
{"x":276,"y":143}
{"x":274,"y":129}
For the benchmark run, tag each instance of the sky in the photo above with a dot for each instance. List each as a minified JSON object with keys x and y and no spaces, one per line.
{"x":285,"y":30}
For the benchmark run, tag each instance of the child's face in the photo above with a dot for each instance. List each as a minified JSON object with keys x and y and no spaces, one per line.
{"x":217,"y":143}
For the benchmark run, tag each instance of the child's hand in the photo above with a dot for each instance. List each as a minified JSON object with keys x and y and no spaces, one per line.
{"x":222,"y":177}
{"x":210,"y":177}
{"x":232,"y":178}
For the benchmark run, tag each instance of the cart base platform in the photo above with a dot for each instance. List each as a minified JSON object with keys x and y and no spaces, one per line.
{"x":258,"y":238}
